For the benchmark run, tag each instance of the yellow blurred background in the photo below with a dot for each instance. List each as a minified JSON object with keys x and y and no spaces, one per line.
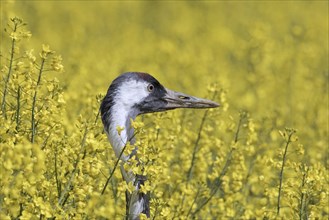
{"x":270,"y":56}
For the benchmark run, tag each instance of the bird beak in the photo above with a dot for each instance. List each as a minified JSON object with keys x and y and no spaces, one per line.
{"x":180,"y":100}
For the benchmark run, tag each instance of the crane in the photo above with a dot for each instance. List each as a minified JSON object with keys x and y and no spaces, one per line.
{"x":129,"y":95}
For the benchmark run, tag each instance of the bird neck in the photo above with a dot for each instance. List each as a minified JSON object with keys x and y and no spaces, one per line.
{"x":119,"y":129}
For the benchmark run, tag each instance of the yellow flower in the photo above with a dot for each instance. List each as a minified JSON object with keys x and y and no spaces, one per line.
{"x":120,"y":129}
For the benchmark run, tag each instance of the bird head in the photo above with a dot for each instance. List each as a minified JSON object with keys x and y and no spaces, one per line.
{"x":142,"y":93}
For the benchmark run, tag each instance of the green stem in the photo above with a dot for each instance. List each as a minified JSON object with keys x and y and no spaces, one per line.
{"x":281,"y":171}
{"x":33,"y":124}
{"x":195,"y":198}
{"x":18,"y":108}
{"x":65,"y":194}
{"x":196,"y":147}
{"x":225,"y":168}
{"x":302,"y":203}
{"x":58,"y":184}
{"x":3,"y":103}
{"x":116,"y":165}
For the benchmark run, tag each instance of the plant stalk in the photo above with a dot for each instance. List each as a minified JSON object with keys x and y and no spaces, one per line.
{"x":33,"y":123}
{"x":225,"y":168}
{"x":284,"y":158}
{"x":3,"y":103}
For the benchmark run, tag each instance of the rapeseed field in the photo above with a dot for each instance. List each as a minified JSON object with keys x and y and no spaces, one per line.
{"x":262,"y":155}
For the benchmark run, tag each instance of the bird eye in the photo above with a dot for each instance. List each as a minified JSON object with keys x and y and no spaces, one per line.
{"x":184,"y":97}
{"x":150,"y":88}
